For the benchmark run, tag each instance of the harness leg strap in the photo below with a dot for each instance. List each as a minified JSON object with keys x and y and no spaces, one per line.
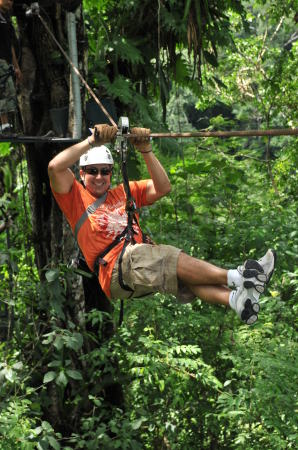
{"x":120,"y":273}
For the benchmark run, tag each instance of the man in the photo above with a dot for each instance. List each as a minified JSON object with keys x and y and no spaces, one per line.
{"x":9,"y":67}
{"x":142,"y":268}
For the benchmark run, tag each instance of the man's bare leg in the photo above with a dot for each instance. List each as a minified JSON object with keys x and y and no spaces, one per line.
{"x":205,"y":280}
{"x":209,"y":282}
{"x":193,"y":271}
{"x":216,"y":295}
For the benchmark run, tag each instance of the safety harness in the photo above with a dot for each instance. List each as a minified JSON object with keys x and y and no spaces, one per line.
{"x":128,"y":233}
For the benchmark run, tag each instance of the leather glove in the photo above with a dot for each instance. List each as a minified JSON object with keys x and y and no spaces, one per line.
{"x":103,"y":133}
{"x":142,"y":141}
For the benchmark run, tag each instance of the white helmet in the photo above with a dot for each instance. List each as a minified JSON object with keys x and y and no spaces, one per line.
{"x":97,"y":155}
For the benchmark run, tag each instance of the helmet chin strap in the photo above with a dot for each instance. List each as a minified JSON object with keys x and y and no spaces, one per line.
{"x":82,"y":179}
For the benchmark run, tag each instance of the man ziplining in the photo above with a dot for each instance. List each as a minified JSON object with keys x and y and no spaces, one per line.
{"x":110,"y":237}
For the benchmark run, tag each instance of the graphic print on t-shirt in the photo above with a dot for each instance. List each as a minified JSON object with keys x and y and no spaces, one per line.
{"x":111,"y":220}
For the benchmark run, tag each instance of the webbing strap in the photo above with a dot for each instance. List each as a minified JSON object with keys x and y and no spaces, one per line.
{"x":120,"y":273}
{"x":90,"y":210}
{"x":100,"y":258}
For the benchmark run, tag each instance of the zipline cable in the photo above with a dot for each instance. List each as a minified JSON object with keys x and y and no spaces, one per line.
{"x":226,"y":134}
{"x":22,"y":139}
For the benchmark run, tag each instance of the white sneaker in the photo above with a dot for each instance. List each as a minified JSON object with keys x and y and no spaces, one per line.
{"x":246,"y":305}
{"x":256,"y":274}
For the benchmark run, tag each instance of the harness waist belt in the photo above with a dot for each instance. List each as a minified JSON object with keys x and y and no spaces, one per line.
{"x":99,"y":260}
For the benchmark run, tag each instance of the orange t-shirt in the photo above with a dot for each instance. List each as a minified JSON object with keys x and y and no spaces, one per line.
{"x":101,"y":228}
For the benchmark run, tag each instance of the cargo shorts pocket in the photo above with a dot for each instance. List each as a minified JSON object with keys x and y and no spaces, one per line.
{"x":151,"y":268}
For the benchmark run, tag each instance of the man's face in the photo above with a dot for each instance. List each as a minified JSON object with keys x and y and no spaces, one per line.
{"x":6,"y":5}
{"x":97,"y":178}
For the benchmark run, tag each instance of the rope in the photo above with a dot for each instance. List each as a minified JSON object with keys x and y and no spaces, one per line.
{"x":91,"y":92}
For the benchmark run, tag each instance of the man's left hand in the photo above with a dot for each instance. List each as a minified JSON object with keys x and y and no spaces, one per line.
{"x":142,"y":140}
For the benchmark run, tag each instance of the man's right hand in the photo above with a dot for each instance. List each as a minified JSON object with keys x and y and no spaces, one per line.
{"x":102,"y":134}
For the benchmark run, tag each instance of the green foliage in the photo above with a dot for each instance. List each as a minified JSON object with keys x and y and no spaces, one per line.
{"x":21,"y":426}
{"x":16,"y":428}
{"x":192,"y":375}
{"x":258,"y":76}
{"x":149,"y":45}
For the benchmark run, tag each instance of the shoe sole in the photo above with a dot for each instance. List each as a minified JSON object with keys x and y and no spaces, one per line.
{"x":260,"y":288}
{"x":254,"y":270}
{"x":274,"y":264}
{"x":252,"y":319}
{"x":255,"y":273}
{"x":250,"y":312}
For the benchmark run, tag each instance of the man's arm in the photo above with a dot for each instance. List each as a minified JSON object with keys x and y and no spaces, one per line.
{"x":61,"y":176}
{"x":159,"y":184}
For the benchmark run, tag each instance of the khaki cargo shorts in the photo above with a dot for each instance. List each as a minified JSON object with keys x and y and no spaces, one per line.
{"x":8,"y":101}
{"x":148,"y":269}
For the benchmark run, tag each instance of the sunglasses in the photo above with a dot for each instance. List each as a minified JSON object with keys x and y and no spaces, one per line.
{"x":94,"y":171}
